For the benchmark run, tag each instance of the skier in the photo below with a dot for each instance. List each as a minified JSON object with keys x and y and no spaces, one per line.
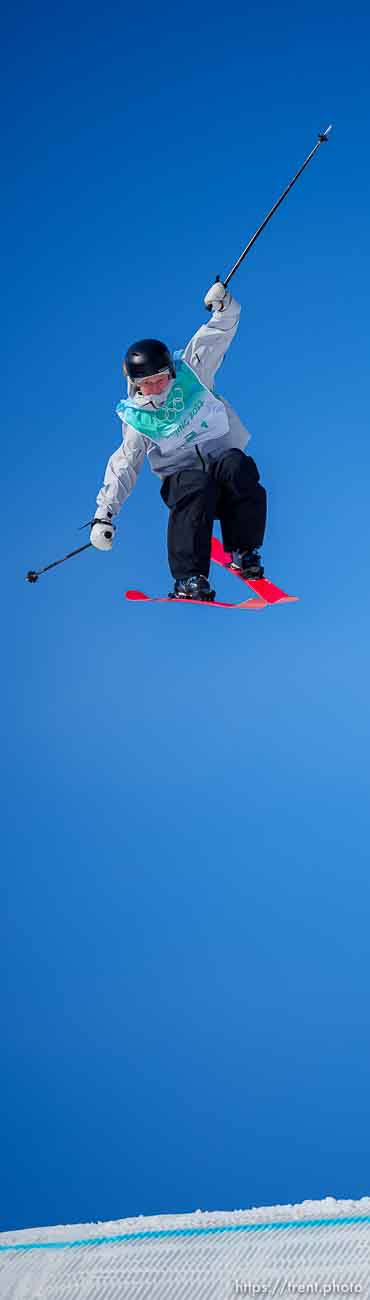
{"x":195,"y":443}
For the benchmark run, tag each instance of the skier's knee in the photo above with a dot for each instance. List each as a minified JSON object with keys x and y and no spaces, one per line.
{"x":241,"y":467}
{"x":235,"y":457}
{"x":252,"y":469}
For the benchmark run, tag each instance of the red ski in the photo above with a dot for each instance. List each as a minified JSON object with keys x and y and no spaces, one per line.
{"x":268,"y":592}
{"x":252,"y":603}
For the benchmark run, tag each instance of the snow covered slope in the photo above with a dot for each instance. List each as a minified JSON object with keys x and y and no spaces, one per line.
{"x":317,"y":1248}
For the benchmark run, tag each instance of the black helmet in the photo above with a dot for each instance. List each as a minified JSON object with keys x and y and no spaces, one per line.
{"x":147,"y":357}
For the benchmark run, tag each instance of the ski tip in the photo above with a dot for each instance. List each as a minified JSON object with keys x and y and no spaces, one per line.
{"x":136,"y":595}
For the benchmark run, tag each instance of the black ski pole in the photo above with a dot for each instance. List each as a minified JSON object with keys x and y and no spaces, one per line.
{"x":322,"y":139}
{"x":33,"y":575}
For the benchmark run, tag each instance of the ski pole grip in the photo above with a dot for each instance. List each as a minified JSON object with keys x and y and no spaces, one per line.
{"x":217,"y":281}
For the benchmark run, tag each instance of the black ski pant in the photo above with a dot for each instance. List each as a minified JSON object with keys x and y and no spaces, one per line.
{"x":228,"y":488}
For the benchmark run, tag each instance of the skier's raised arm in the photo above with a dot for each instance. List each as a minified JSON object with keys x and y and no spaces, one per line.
{"x":206,"y":350}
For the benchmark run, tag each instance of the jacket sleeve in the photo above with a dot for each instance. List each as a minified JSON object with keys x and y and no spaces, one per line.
{"x":122,"y":471}
{"x":207,"y":348}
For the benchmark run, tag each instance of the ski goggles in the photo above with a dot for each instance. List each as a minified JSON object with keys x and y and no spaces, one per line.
{"x":152,"y":379}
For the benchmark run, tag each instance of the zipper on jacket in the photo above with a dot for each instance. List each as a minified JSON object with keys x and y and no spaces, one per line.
{"x":200,"y":457}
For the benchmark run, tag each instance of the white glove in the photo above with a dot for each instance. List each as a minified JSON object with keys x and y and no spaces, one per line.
{"x":217,"y":297}
{"x":102,"y":533}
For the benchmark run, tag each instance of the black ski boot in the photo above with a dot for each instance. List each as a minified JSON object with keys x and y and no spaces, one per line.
{"x":248,"y":564}
{"x":195,"y":588}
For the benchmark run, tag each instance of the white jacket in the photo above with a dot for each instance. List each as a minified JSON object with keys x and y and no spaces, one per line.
{"x":204,"y":354}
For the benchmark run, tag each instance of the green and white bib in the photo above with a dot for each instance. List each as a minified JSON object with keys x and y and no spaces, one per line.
{"x":191,"y":414}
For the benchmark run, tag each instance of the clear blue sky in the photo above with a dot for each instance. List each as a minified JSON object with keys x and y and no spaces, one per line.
{"x":185,"y":920}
